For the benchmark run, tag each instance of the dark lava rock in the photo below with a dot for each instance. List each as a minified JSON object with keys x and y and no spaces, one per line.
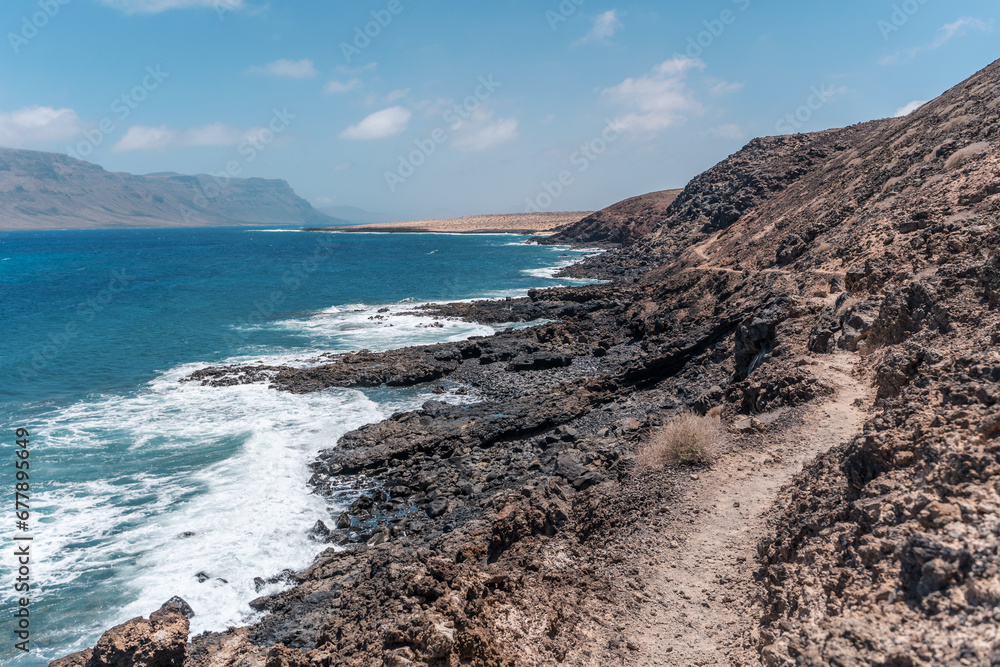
{"x":540,"y":361}
{"x":319,"y":532}
{"x":179,"y":605}
{"x":437,"y":508}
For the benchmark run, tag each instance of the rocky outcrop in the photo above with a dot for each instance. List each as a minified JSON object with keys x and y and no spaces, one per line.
{"x":844,"y":325}
{"x":885,"y":550}
{"x":160,"y":641}
{"x":622,"y":223}
{"x":901,"y":523}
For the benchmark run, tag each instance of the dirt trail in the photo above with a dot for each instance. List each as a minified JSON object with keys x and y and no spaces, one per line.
{"x":697,"y":604}
{"x":701,"y":252}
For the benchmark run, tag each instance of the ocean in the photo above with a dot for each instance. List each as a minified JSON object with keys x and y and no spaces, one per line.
{"x":142,"y":487}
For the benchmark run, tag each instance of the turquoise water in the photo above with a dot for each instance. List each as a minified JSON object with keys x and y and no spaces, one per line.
{"x":139,"y":482}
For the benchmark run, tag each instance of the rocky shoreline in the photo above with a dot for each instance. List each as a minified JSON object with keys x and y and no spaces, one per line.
{"x":509,"y":523}
{"x":455,"y":508}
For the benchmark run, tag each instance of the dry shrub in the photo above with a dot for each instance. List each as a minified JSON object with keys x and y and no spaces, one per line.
{"x":960,"y":157}
{"x":687,"y":440}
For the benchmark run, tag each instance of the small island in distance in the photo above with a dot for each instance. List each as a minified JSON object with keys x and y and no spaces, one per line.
{"x":508,"y":223}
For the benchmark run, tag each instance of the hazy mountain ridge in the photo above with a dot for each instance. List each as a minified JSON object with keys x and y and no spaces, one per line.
{"x":54,"y":191}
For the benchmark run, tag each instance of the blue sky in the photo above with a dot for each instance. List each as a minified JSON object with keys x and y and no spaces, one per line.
{"x":455,"y":108}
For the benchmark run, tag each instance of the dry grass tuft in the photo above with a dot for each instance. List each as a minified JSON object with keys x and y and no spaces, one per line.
{"x":687,"y":440}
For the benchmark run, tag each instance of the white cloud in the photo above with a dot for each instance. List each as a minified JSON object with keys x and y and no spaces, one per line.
{"x":147,"y":138}
{"x":656,"y":100}
{"x":728,"y":131}
{"x":288,"y":69}
{"x":397,"y":95}
{"x":909,"y":108}
{"x":721,"y":87}
{"x":31,"y":125}
{"x":156,"y":6}
{"x":355,"y":71}
{"x":434,"y":108}
{"x":480,"y":132}
{"x":217,"y":134}
{"x":605,"y":27}
{"x":340,"y":87}
{"x":946,"y":33}
{"x":341,"y":167}
{"x":379,"y":125}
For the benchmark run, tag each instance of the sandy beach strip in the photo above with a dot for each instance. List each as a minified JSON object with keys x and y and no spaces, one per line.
{"x":513,"y":223}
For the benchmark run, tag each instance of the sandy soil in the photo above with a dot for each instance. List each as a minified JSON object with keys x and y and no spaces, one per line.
{"x":514,"y":223}
{"x":698,"y":604}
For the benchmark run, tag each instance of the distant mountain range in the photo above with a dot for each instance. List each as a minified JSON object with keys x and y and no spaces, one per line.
{"x":54,"y":191}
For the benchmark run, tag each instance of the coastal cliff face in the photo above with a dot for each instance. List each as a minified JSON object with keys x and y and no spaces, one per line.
{"x":519,"y":530}
{"x":54,"y":191}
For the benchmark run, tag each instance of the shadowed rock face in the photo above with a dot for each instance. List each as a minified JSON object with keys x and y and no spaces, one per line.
{"x":54,"y":191}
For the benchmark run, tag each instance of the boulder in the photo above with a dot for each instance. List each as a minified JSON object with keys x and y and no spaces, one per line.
{"x":540,"y":361}
{"x":74,"y":660}
{"x":160,"y":641}
{"x":319,"y":532}
{"x":844,"y":325}
{"x":754,"y":339}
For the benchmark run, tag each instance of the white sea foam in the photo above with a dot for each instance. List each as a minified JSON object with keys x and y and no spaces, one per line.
{"x":383,"y":233}
{"x":274,"y":231}
{"x":502,"y":294}
{"x":576,"y":255}
{"x":355,"y":327}
{"x":229,"y":465}
{"x":548,"y":273}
